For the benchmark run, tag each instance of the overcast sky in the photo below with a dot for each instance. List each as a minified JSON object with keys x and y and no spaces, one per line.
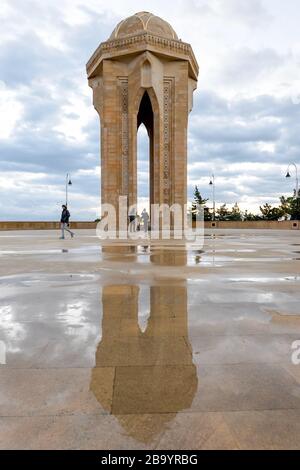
{"x":245,"y":125}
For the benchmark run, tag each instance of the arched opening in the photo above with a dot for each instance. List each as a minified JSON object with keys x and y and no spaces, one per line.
{"x":143,"y":177}
{"x":145,"y":128}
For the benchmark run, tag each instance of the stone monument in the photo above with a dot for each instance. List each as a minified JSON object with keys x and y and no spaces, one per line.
{"x":143,"y":74}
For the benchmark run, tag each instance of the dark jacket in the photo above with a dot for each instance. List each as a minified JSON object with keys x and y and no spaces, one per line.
{"x":65,"y":215}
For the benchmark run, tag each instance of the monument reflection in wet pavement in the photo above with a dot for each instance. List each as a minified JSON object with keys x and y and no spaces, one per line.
{"x":151,"y":353}
{"x":151,"y":347}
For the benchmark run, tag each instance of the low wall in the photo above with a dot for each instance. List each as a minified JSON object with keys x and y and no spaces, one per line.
{"x":256,"y":225}
{"x":44,"y":225}
{"x":261,"y":224}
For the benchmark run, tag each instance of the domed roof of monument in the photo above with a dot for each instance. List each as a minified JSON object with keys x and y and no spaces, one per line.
{"x":143,"y":22}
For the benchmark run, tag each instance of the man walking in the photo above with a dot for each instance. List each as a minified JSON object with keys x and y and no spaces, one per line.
{"x":64,"y":222}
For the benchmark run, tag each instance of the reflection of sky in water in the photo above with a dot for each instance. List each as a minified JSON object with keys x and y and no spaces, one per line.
{"x":11,"y":331}
{"x":76,"y":317}
{"x":144,"y":308}
{"x":36,"y":314}
{"x":66,"y":309}
{"x":215,"y":255}
{"x":263,"y":280}
{"x":220,"y":316}
{"x":95,"y":249}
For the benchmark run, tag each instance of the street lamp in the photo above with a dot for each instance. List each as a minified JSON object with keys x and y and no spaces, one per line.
{"x":68,"y":183}
{"x":212,"y":183}
{"x":288,"y":175}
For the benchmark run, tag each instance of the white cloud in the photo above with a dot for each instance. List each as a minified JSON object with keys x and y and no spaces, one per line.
{"x":74,"y":117}
{"x":10,"y":111}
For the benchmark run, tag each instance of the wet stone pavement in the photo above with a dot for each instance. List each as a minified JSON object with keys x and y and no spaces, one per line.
{"x":149,"y":347}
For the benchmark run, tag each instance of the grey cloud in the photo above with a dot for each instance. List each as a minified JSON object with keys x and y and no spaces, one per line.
{"x":245,"y":65}
{"x":228,"y":131}
{"x":252,"y":13}
{"x":46,"y":154}
{"x":26,"y":59}
{"x":267,"y":119}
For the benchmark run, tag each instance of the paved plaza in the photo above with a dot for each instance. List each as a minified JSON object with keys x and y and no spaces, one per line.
{"x":149,"y":347}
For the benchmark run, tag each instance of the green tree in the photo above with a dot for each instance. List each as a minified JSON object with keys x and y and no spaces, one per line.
{"x":251,"y":217}
{"x":200,"y":201}
{"x":235,"y":213}
{"x":270,"y":213}
{"x":290,"y":207}
{"x":222,"y":213}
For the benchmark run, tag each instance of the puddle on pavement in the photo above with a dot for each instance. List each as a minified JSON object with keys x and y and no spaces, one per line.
{"x":163,"y":256}
{"x":152,"y":346}
{"x":156,"y":337}
{"x":83,"y":249}
{"x":42,"y":280}
{"x":263,"y":280}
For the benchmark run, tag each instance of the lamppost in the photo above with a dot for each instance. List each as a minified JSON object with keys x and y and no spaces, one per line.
{"x":68,"y":183}
{"x":288,"y":175}
{"x":212,"y":183}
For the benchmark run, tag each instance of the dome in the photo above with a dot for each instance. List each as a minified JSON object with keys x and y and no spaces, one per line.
{"x":141,"y":22}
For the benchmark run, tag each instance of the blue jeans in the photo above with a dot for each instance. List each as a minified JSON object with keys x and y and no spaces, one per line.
{"x":64,"y":227}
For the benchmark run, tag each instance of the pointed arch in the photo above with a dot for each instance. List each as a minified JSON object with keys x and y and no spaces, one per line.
{"x":153,"y":99}
{"x":146,"y":111}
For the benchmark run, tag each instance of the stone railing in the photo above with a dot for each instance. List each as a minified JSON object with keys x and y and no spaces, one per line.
{"x":246,"y":225}
{"x":43,"y":225}
{"x":254,"y":225}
